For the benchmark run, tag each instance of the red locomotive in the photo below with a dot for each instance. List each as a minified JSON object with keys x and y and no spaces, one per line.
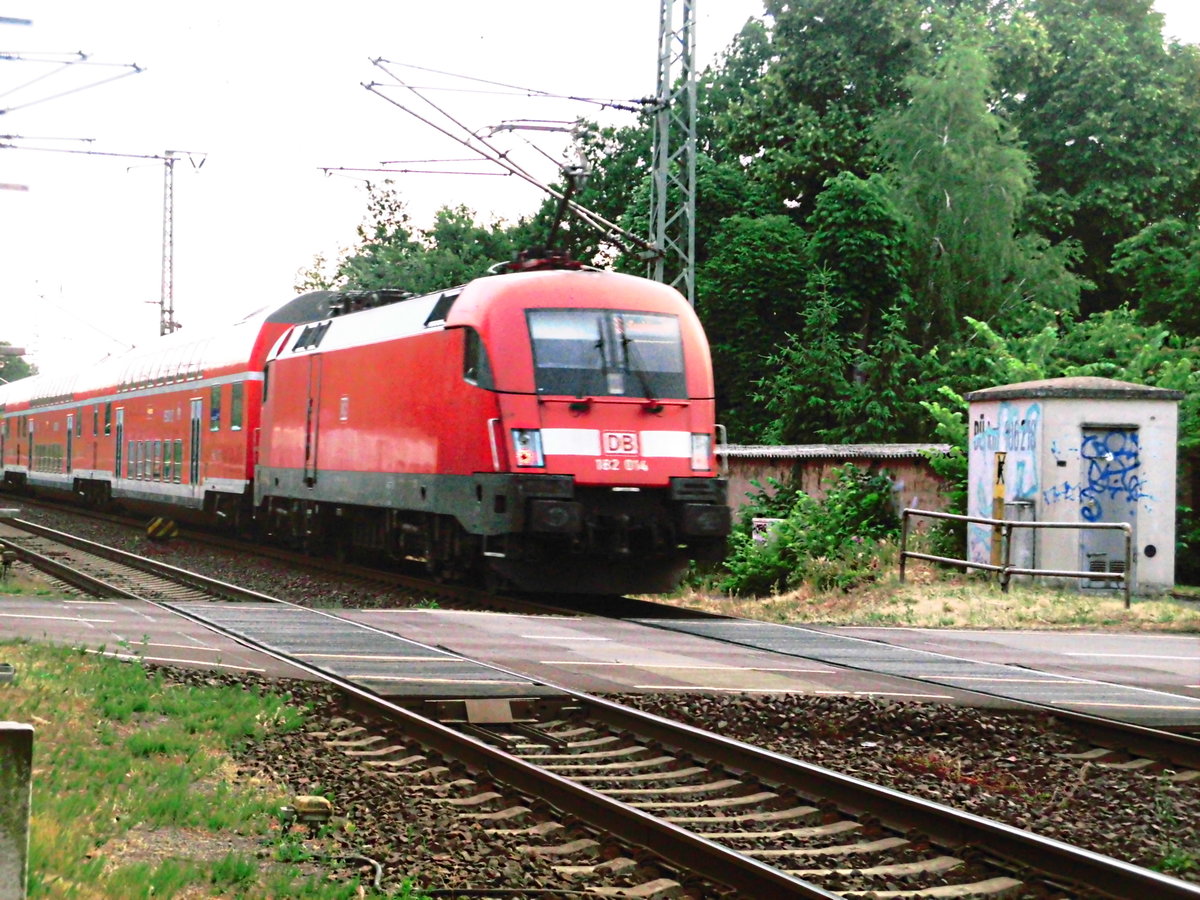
{"x":551,"y":428}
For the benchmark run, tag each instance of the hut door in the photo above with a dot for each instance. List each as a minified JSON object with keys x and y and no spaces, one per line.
{"x":1109,"y":491}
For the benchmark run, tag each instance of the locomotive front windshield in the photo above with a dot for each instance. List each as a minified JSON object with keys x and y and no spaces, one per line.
{"x":607,"y":353}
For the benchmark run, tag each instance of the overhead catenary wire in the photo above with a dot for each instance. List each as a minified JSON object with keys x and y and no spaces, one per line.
{"x":608,"y":229}
{"x":64,"y":64}
{"x":626,"y":105}
{"x":329,"y":170}
{"x":44,"y":137}
{"x":477,"y":144}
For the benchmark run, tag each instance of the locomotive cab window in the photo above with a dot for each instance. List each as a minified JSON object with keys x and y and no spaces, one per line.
{"x":603,"y":352}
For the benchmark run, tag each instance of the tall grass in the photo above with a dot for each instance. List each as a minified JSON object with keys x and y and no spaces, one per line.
{"x":129,"y":794}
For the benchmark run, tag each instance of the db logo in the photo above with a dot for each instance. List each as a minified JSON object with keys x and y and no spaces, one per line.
{"x":620,"y":442}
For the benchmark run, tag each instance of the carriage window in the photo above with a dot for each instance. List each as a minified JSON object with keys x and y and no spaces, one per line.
{"x":603,"y":352}
{"x":108,"y":418}
{"x":178,"y":460}
{"x":214,"y":408}
{"x":236,"y":394}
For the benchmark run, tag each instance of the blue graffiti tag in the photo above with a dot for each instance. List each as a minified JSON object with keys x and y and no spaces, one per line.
{"x":1112,"y":471}
{"x":1057,"y":492}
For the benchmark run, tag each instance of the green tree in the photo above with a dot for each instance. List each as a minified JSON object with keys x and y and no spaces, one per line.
{"x":1160,"y":265}
{"x":833,"y":66}
{"x":960,"y":179}
{"x":392,"y":253}
{"x":1110,"y":115}
{"x":13,"y":368}
{"x":749,"y":294}
{"x":858,"y":239}
{"x":849,"y":372}
{"x":807,"y":380}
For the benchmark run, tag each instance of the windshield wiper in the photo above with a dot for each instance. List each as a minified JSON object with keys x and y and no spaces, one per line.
{"x":633,"y":355}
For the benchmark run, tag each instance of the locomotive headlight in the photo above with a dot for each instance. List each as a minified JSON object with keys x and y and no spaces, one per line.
{"x":701,"y":451}
{"x":527,"y":447}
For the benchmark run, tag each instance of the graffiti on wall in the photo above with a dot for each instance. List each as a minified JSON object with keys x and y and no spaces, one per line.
{"x":1013,"y":429}
{"x":1111,"y":480}
{"x":1112,"y":472}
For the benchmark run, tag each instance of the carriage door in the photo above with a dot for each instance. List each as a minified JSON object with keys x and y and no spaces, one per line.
{"x":1109,"y":491}
{"x":70,"y":440}
{"x":197,"y":413}
{"x":312,"y":421}
{"x":119,"y":433}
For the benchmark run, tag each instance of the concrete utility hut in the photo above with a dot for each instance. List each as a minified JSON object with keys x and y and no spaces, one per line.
{"x":1085,"y":450}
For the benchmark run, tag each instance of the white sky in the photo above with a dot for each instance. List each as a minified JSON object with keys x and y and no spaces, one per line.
{"x":271,"y":92}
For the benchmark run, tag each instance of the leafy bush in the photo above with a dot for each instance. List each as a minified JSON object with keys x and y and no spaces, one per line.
{"x":831,"y":543}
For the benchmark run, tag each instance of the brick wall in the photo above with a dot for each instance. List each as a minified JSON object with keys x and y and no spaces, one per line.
{"x":915,"y":482}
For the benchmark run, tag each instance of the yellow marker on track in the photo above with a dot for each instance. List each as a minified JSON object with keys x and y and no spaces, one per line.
{"x":161,"y":528}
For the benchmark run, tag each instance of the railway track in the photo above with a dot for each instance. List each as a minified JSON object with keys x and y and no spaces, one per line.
{"x":398,"y":584}
{"x":721,"y":816}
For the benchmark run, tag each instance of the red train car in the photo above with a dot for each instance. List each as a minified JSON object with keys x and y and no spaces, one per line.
{"x":553,"y":429}
{"x":172,"y":427}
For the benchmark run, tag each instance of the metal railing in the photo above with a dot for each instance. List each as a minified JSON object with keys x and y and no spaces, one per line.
{"x":1005,"y":569}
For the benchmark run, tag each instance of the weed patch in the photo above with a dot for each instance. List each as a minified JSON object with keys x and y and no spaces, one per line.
{"x":931,"y":598}
{"x":134,"y":791}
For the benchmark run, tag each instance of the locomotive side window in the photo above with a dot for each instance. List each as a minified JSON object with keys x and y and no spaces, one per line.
{"x":476,"y":368}
{"x":600,"y":353}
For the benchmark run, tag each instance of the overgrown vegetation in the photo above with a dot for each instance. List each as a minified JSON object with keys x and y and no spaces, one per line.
{"x":131,"y":794}
{"x":835,"y":542}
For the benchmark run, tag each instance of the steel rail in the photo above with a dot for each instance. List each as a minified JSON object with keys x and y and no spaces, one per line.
{"x":464,"y":593}
{"x":1062,"y":862}
{"x":689,"y":851}
{"x":155,"y":567}
{"x":63,"y":572}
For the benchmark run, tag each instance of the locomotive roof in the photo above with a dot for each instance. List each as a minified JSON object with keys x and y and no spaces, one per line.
{"x":173,"y":356}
